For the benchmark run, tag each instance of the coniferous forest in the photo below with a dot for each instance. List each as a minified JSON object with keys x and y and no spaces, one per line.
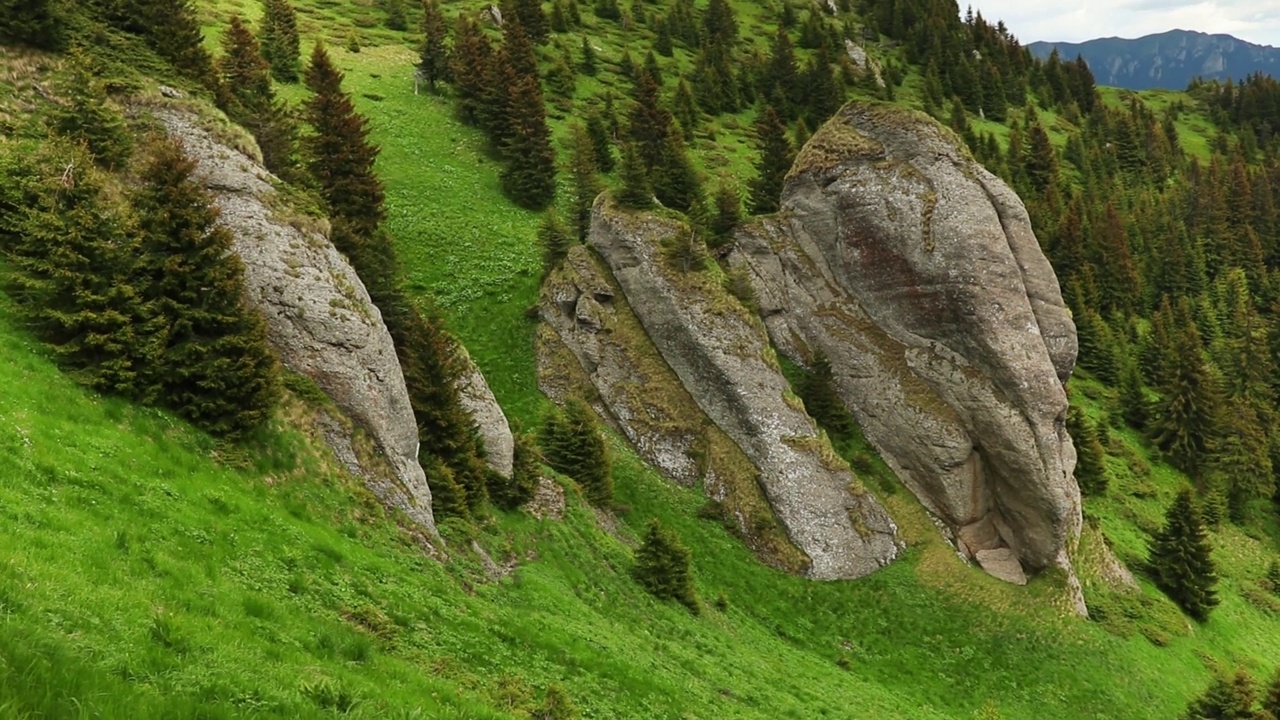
{"x":180,"y":543}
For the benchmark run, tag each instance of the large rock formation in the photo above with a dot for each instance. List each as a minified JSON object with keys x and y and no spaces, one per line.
{"x":320,"y":320}
{"x":916,"y":273}
{"x":591,"y":344}
{"x":722,"y":358}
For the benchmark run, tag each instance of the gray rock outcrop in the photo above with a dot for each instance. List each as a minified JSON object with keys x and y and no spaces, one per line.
{"x":478,"y":400}
{"x":916,"y":273}
{"x":590,"y":344}
{"x":320,"y":320}
{"x":722,"y":357}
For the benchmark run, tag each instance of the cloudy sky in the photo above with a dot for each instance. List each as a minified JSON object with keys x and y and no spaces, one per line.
{"x":1257,"y":21}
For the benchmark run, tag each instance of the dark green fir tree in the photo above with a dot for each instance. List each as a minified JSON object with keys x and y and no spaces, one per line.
{"x":433,"y":54}
{"x":280,"y":44}
{"x":776,"y":157}
{"x":1181,"y":559}
{"x":662,"y":567}
{"x":573,"y":446}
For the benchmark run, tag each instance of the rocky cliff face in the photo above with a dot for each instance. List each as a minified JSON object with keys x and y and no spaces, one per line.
{"x":320,"y":320}
{"x":915,"y":271}
{"x":722,"y":359}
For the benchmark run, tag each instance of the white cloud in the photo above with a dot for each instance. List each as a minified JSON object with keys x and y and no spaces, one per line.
{"x":1256,"y":21}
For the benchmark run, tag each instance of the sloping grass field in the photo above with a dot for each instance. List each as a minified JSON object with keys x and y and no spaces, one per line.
{"x":148,"y":572}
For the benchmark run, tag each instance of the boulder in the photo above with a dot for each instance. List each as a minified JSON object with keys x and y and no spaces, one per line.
{"x":320,"y":321}
{"x":478,"y":400}
{"x":721,"y":356}
{"x":916,"y":273}
{"x":1001,"y":563}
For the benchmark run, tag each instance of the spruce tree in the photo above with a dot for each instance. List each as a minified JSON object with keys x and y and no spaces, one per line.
{"x":207,"y":353}
{"x":1091,"y":468}
{"x":590,"y":64}
{"x":1181,"y":562}
{"x":822,"y":399}
{"x":572,"y":444}
{"x":662,"y":567}
{"x":280,"y":44}
{"x":776,"y":157}
{"x":675,"y":181}
{"x":554,"y":242}
{"x":1231,"y":698}
{"x":685,"y":110}
{"x":340,"y":158}
{"x":728,"y":213}
{"x":249,"y":100}
{"x":172,"y":28}
{"x":636,"y":192}
{"x":471,"y":64}
{"x":35,"y":23}
{"x":530,"y":175}
{"x":602,"y":144}
{"x":1271,"y":702}
{"x":433,"y":55}
{"x":586,"y":185}
{"x":533,"y":20}
{"x":1189,"y":410}
{"x":90,"y":117}
{"x":70,"y":256}
{"x":396,"y":19}
{"x":510,"y":493}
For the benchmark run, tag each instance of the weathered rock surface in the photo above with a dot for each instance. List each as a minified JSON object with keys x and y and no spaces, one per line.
{"x":320,"y":320}
{"x":916,"y":273}
{"x":478,"y":400}
{"x":591,"y":345}
{"x":722,"y":357}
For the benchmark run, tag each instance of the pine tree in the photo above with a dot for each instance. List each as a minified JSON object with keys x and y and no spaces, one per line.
{"x":433,"y":55}
{"x":1133,"y":398}
{"x":471,"y":64}
{"x":636,"y":192}
{"x":448,"y":497}
{"x":662,"y":567}
{"x":249,"y":100}
{"x":207,"y":352}
{"x":1231,"y":698}
{"x":91,"y":118}
{"x":1091,"y":468}
{"x":586,"y":185}
{"x":573,"y":446}
{"x":530,"y":175}
{"x":1181,"y":561}
{"x":280,"y":44}
{"x":776,"y":157}
{"x":36,"y":23}
{"x":1241,"y":461}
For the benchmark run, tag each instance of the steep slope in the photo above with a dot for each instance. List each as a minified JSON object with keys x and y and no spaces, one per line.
{"x":1169,"y":60}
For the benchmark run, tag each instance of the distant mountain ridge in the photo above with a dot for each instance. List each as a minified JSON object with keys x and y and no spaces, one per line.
{"x":1167,"y":60}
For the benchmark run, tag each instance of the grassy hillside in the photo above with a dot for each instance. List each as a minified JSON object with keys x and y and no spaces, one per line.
{"x":146,"y":571}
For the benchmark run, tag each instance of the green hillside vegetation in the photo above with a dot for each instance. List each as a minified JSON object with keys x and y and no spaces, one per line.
{"x":148,"y":569}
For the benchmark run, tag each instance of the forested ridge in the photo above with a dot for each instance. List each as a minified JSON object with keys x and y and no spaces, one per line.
{"x":1158,"y":212}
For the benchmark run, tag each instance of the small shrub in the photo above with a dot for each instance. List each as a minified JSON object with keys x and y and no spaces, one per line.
{"x":556,"y":706}
{"x":510,"y":493}
{"x":574,"y":447}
